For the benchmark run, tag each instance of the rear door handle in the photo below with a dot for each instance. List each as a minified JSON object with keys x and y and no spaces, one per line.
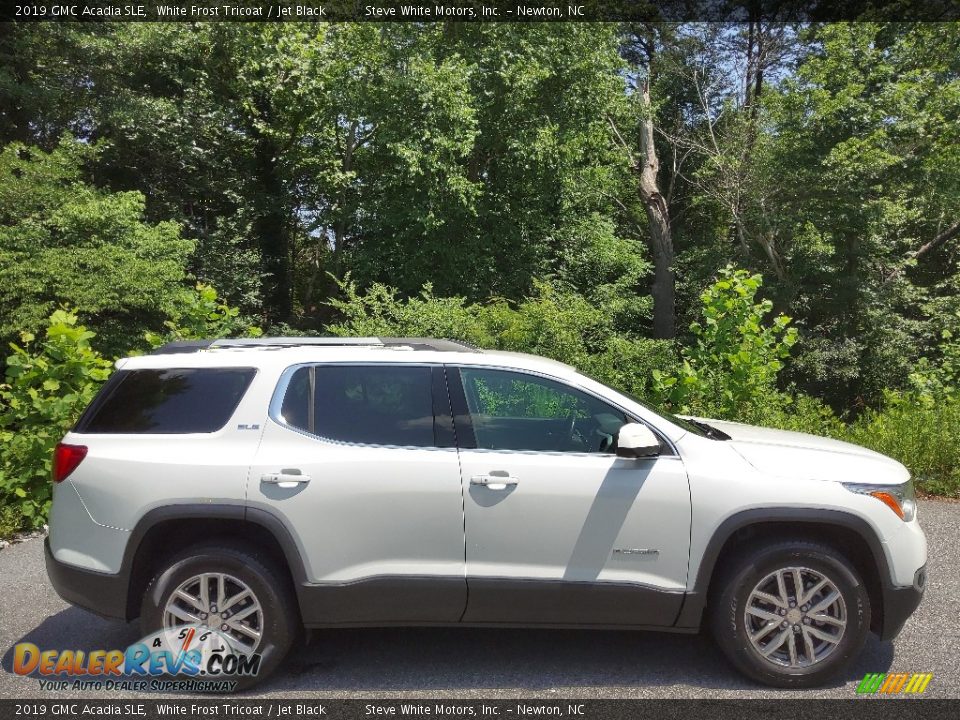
{"x":287,"y":478}
{"x":494,"y":482}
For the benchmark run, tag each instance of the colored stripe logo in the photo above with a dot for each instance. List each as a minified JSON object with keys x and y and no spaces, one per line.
{"x":894,"y":683}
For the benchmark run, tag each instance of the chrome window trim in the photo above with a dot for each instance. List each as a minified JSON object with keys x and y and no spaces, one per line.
{"x":276,"y":403}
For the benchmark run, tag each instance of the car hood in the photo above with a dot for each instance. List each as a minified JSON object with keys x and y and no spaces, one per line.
{"x":796,"y":455}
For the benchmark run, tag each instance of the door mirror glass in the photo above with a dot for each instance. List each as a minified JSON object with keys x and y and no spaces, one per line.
{"x":636,"y":441}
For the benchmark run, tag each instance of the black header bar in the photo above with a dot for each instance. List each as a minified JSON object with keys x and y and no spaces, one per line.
{"x":477,"y":11}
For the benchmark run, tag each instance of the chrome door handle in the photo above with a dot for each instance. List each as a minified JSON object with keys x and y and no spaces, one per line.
{"x":494,"y":482}
{"x":285,"y":478}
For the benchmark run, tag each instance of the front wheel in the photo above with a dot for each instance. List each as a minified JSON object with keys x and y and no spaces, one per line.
{"x":792,"y":614}
{"x":231,"y":591}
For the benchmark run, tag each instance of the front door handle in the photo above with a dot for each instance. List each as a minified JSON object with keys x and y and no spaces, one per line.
{"x":494,"y":482}
{"x":286,"y":478}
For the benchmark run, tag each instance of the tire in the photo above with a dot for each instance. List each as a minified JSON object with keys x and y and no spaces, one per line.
{"x":278,"y":621}
{"x":786,"y":666}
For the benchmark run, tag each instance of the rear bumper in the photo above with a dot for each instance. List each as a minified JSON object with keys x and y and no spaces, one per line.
{"x":101,"y":593}
{"x":900,"y":603}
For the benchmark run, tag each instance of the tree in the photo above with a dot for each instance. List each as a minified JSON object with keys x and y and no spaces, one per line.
{"x":864,"y":143}
{"x":484,"y":156}
{"x":64,"y":241}
{"x":474,"y":156}
{"x":641,"y":47}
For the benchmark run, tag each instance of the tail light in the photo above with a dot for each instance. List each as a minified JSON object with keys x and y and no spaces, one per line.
{"x":65,"y":460}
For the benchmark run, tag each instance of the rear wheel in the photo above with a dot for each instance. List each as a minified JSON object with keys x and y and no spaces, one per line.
{"x":792,"y":614}
{"x":231,"y":590}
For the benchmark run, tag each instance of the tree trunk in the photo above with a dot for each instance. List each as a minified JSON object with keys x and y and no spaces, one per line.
{"x":660,"y":238}
{"x":273,"y":235}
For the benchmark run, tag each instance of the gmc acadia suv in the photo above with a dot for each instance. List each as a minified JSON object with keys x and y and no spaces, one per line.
{"x":258,"y":486}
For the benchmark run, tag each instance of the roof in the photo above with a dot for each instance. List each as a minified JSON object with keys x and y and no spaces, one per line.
{"x":280,"y":352}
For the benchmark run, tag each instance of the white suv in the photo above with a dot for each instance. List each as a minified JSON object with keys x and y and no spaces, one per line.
{"x":258,"y":486}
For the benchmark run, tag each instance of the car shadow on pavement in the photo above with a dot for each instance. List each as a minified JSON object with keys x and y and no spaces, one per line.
{"x":76,"y":629}
{"x":398,"y":660}
{"x":449,"y":660}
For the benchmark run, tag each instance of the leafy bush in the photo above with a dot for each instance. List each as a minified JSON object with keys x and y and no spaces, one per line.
{"x":380,"y":311}
{"x":198,"y":314}
{"x":555,"y":322}
{"x":65,"y":241}
{"x":48,"y":384}
{"x":11,"y":521}
{"x":939,"y":379}
{"x":920,"y":432}
{"x":731,"y":369}
{"x":797,"y":412}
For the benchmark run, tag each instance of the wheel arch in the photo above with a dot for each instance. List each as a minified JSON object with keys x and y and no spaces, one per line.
{"x":166,"y":530}
{"x":850,"y":534}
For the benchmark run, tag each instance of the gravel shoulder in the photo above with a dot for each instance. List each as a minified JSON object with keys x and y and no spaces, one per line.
{"x":503,"y":664}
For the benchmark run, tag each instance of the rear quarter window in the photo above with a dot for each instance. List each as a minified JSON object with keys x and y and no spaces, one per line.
{"x":168,"y":401}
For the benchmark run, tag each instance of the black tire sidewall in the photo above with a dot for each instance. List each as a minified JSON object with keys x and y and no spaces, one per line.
{"x":728,"y":618}
{"x":280,"y":617}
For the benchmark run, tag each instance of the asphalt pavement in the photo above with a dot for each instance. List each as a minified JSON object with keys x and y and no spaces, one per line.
{"x":503,"y":664}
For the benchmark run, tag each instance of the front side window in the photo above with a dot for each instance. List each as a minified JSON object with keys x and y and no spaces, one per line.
{"x":515,"y":411}
{"x":374,"y":405}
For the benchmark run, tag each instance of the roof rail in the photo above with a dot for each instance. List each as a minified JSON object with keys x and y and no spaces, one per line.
{"x":191,"y":346}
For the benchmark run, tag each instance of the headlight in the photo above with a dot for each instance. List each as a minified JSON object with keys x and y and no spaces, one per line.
{"x":900,"y":498}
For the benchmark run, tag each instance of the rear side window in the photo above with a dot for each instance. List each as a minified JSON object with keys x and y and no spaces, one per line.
{"x":171,"y":401}
{"x":373,"y":405}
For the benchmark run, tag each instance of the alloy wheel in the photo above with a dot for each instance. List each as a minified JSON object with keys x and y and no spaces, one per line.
{"x":795,"y":617}
{"x":220,"y":602}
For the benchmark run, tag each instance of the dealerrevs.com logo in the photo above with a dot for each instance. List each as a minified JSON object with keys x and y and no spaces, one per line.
{"x":186,"y":658}
{"x":894,"y":683}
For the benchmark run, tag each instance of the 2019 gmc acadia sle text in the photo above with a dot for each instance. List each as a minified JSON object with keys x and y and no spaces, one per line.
{"x":258,"y":486}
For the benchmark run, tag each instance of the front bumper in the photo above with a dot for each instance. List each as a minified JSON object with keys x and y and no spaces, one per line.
{"x":101,"y":593}
{"x":899,"y":604}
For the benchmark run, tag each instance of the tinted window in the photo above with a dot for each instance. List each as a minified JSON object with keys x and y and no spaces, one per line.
{"x":179,"y":400}
{"x":377,"y":405}
{"x":296,"y":402}
{"x":516,"y":411}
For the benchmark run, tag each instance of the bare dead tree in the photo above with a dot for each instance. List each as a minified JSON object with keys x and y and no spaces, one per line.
{"x":645,"y":165}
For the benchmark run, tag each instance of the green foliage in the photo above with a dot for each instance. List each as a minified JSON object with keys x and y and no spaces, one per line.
{"x":863,"y":158}
{"x":64,"y":241}
{"x":919,"y":432}
{"x":201,"y":314}
{"x":48,"y":384}
{"x":731,"y":369}
{"x":11,"y":521}
{"x":554,"y":321}
{"x":795,"y":411}
{"x":939,"y":379}
{"x":468,"y":179}
{"x":380,"y":311}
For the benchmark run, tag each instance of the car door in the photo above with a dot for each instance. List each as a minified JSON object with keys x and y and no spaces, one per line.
{"x":559,"y":530}
{"x":358,"y":461}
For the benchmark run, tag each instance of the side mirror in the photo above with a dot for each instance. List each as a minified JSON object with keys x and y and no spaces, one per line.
{"x":636,"y":441}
